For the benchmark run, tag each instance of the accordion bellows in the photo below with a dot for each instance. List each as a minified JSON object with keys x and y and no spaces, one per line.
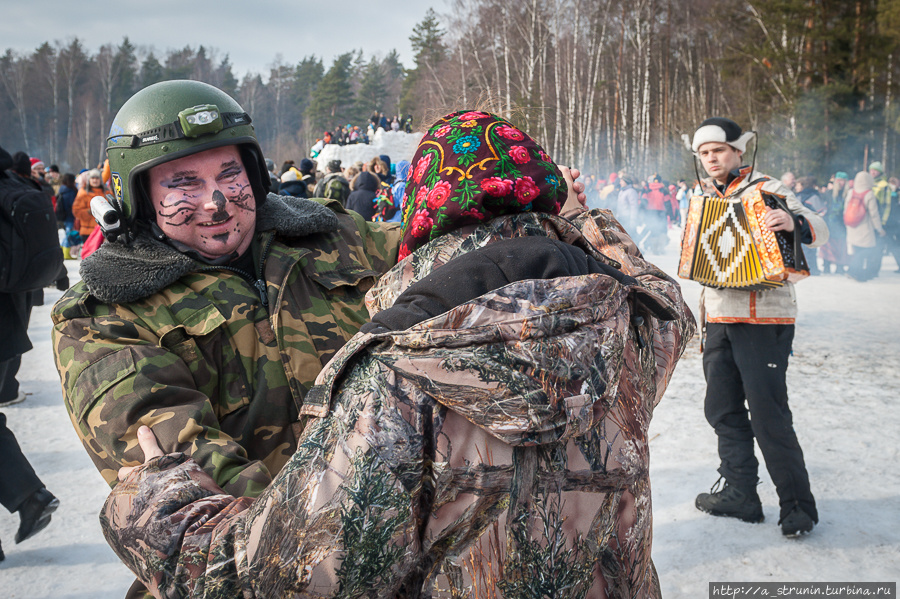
{"x":726,"y":244}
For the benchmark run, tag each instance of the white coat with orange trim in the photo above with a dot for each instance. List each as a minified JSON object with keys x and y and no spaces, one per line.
{"x":772,"y":306}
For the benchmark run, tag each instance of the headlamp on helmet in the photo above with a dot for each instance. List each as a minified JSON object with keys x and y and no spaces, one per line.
{"x":200,"y":120}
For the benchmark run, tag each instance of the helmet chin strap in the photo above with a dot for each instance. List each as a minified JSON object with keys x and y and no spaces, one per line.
{"x":156,"y":232}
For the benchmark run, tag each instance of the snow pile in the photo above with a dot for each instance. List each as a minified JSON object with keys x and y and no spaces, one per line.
{"x":398,"y":145}
{"x":844,"y":386}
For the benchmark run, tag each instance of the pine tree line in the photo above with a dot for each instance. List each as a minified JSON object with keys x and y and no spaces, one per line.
{"x":58,"y":102}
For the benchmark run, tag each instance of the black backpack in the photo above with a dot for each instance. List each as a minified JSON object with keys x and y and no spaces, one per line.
{"x":30,"y":256}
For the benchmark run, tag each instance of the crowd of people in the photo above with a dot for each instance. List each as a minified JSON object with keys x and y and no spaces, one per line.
{"x":374,"y":188}
{"x":344,"y":135}
{"x":862,"y":212}
{"x":863,"y":217}
{"x":647,"y":208}
{"x":70,"y":195}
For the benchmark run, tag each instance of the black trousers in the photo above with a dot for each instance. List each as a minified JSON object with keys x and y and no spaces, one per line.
{"x":746,"y":398}
{"x":9,"y":386}
{"x":865,"y":262}
{"x":17,"y":478}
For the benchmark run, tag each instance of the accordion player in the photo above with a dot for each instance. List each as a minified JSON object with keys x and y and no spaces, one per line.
{"x":726,"y":244}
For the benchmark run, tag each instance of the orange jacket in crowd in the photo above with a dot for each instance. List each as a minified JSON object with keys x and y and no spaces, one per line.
{"x":82,"y":209}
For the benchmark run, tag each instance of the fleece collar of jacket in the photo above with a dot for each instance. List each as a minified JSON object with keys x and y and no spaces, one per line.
{"x":118,"y":273}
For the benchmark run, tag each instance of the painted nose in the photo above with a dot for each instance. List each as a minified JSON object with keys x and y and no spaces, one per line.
{"x":216,"y":204}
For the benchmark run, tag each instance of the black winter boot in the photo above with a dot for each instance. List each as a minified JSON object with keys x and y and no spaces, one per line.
{"x":34,"y":513}
{"x":796,"y":523}
{"x":731,"y":502}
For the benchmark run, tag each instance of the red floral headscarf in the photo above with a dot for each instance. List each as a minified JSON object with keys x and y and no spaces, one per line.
{"x":471,"y":167}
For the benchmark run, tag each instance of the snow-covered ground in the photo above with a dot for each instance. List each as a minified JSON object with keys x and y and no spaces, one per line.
{"x":845,"y":394}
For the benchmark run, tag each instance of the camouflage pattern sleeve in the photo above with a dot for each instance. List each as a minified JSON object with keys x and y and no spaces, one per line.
{"x":670,"y":338}
{"x":382,"y":243}
{"x":116,"y":376}
{"x":380,"y":240}
{"x":176,"y":530}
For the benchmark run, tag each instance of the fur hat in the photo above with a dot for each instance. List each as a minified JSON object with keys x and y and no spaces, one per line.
{"x":721,"y":130}
{"x":94,"y":174}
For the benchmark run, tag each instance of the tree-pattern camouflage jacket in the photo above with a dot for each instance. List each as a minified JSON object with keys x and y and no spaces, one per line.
{"x":497,"y":450}
{"x":217,"y":362}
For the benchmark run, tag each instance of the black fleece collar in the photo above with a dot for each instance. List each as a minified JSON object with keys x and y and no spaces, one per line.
{"x":118,"y":273}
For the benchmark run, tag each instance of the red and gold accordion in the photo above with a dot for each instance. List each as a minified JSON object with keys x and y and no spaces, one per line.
{"x":726,"y":244}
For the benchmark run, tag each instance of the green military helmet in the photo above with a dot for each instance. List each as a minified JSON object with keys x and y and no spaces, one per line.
{"x":170,"y":120}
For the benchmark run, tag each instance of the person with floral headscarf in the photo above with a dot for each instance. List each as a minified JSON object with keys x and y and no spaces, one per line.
{"x":487,"y":430}
{"x":472,"y":166}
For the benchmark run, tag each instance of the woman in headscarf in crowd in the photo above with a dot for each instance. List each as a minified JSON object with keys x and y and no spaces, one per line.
{"x":81,"y":207}
{"x":862,"y":229}
{"x":485,"y":434}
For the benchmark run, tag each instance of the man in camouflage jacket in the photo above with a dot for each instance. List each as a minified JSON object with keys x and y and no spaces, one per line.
{"x":151,"y":336}
{"x":212,"y":344}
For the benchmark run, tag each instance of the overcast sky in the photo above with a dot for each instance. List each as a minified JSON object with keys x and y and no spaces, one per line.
{"x":251,"y":33}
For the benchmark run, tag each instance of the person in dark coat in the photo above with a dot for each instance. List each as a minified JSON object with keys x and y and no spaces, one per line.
{"x":274,"y":180}
{"x":360,"y":199}
{"x":810,"y":198}
{"x":22,"y":491}
{"x":292,"y":185}
{"x":65,"y":200}
{"x":387,"y":176}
